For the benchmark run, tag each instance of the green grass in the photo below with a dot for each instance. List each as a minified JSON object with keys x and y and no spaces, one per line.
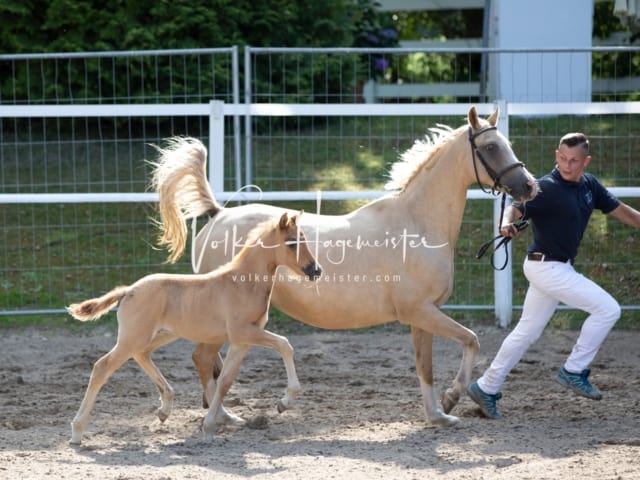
{"x":56,"y":254}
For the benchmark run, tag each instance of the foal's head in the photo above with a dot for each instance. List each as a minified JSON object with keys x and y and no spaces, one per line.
{"x":291,"y":247}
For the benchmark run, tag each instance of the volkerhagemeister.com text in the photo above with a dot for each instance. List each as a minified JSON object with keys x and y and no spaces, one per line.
{"x":329,"y":278}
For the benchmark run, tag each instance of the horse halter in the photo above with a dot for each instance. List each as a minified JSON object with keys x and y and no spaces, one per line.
{"x":495,"y":176}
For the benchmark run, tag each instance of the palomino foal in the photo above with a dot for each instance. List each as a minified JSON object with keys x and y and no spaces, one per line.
{"x":229,"y":304}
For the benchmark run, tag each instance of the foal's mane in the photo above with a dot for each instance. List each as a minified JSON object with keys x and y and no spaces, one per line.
{"x":421,"y":155}
{"x":254,"y":236}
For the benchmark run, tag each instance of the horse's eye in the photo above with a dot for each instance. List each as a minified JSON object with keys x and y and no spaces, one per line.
{"x":291,"y":243}
{"x":490,"y":147}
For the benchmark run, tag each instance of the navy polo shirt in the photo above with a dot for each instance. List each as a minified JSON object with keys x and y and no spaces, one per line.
{"x":561,"y":210}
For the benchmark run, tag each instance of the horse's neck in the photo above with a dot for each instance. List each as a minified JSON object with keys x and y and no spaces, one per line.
{"x":437,"y":194}
{"x":256,"y":260}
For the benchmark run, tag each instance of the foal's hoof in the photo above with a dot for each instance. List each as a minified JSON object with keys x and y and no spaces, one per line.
{"x":226,"y":418}
{"x":445,"y":420}
{"x":162,"y":415}
{"x":449,"y":400}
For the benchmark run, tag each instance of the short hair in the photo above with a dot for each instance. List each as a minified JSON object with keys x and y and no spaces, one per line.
{"x":574,"y":139}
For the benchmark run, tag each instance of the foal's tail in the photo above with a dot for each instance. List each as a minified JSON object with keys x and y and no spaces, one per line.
{"x":180,"y":179}
{"x":96,"y":307}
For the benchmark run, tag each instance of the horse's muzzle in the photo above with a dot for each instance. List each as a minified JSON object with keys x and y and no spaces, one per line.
{"x":312,"y":270}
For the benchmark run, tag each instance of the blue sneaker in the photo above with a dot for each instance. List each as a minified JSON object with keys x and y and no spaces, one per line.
{"x":578,"y":383}
{"x":485,"y":401}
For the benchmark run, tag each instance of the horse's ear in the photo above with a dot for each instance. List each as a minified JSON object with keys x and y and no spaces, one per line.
{"x":284,"y":221}
{"x":293,"y":220}
{"x":493,"y":119}
{"x":472,"y":117}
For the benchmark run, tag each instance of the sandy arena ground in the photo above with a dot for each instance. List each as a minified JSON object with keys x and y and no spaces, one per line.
{"x":360,"y":416}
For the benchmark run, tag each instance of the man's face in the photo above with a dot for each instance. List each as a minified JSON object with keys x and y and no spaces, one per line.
{"x":571,"y":162}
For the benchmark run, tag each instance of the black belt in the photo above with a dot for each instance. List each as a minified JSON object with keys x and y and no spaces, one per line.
{"x":542,"y":257}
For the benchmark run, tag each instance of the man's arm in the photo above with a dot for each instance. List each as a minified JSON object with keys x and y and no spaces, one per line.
{"x":511,"y":216}
{"x":626,"y":214}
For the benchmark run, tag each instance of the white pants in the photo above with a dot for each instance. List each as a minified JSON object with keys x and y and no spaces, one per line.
{"x":549,"y":284}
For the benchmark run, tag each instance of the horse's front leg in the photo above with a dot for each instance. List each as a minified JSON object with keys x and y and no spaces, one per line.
{"x":232,"y":363}
{"x":284,"y":348}
{"x":254,"y":335}
{"x":208,"y":363}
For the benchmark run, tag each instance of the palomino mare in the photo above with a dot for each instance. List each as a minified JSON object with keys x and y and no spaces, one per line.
{"x":229,"y":304}
{"x":389,"y":260}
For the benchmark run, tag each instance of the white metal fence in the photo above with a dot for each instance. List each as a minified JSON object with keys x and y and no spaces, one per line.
{"x":61,"y":230}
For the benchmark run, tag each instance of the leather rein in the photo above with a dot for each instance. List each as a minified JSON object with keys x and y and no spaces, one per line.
{"x":495,"y":176}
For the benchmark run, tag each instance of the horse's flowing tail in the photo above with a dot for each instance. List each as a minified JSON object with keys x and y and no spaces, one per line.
{"x":180,"y":179}
{"x":96,"y":307}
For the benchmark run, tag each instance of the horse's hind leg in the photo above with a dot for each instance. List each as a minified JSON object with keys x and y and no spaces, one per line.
{"x":102,"y":370}
{"x":164,"y":389}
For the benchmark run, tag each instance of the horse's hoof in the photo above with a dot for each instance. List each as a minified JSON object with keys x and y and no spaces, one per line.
{"x":226,"y":418}
{"x":449,"y":400}
{"x":76,"y":434}
{"x":281,"y":406}
{"x":235,"y":421}
{"x":162,"y":415}
{"x":445,"y":420}
{"x":76,"y":438}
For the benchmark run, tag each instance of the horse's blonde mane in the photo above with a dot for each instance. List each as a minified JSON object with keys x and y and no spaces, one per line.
{"x":419,"y":156}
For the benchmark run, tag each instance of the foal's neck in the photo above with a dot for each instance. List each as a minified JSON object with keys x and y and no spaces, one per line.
{"x":257,"y":259}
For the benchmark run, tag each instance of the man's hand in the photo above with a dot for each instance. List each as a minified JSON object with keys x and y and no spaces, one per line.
{"x":509,"y":230}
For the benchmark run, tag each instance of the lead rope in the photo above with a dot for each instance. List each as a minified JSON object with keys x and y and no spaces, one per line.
{"x":504,"y":241}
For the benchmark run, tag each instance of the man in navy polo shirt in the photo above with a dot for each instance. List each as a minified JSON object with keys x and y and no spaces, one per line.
{"x":559,"y":214}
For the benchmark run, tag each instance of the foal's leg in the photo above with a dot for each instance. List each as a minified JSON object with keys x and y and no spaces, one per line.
{"x":426,"y":322}
{"x":208,"y":363}
{"x":255,"y":335}
{"x":232,"y":363}
{"x":164,"y":389}
{"x":102,"y":370}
